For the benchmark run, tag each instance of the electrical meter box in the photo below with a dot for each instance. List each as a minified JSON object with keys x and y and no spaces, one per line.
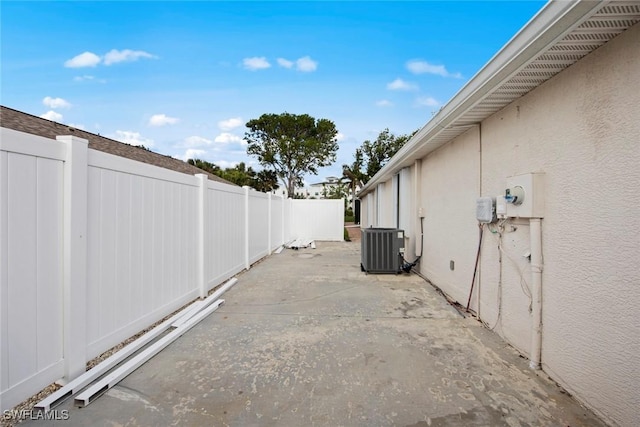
{"x":525,"y":195}
{"x":485,"y":210}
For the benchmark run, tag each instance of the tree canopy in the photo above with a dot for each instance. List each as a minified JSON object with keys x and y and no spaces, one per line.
{"x":371,"y":156}
{"x":240,"y":174}
{"x":292,"y":145}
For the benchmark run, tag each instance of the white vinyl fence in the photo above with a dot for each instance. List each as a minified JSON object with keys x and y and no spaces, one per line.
{"x":309,"y":222}
{"x":94,"y":248}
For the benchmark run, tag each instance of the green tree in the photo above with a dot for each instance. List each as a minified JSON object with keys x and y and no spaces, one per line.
{"x":241,"y":175}
{"x":292,"y":145}
{"x":205,"y":166}
{"x":371,"y":156}
{"x":353,"y":176}
{"x":335,"y":191}
{"x":265,"y":181}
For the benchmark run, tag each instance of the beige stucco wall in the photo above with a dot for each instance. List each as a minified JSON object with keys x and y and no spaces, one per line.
{"x":450,"y":186}
{"x":385,"y":206}
{"x":582,"y":128}
{"x":365,"y":210}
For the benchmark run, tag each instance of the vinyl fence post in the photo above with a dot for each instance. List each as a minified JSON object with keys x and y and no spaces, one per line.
{"x":287,"y":224}
{"x":75,"y":256}
{"x":270,"y":207}
{"x":284,"y":215}
{"x":246,"y":227}
{"x":203,"y":232}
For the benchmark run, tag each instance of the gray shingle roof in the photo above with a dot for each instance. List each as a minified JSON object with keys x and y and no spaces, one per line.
{"x":24,"y":122}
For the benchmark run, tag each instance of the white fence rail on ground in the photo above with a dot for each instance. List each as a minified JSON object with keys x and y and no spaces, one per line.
{"x":95,"y":248}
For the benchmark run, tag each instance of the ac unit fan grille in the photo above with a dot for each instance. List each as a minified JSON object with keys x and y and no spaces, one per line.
{"x":381,"y":250}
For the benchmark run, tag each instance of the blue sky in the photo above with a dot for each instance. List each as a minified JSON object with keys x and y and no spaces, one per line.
{"x":183,"y":78}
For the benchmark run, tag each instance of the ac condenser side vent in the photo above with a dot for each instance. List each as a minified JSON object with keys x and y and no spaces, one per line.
{"x":382,"y":250}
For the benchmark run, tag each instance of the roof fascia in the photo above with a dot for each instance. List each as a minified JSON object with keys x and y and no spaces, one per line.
{"x":549,"y":25}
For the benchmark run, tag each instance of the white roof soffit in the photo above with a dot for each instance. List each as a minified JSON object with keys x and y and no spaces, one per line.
{"x":559,"y":35}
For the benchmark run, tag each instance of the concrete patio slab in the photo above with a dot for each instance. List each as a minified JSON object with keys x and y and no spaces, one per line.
{"x":305,"y":338}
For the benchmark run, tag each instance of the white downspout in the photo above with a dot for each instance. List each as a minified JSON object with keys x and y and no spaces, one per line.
{"x":536,"y":292}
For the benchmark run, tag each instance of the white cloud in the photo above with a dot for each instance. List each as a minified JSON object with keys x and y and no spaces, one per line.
{"x":85,"y":59}
{"x":162,"y":120}
{"x":90,"y":59}
{"x":229,"y":143}
{"x":131,"y":138}
{"x":339,"y":136}
{"x":423,"y":67}
{"x":76,"y":126}
{"x":87,"y":78}
{"x":55,"y":102}
{"x":196,"y":141}
{"x":228,"y":138}
{"x":384,"y":103}
{"x":399,"y":84}
{"x":285,"y":63}
{"x":224,"y":164}
{"x":192,"y":153}
{"x":256,"y":63}
{"x":427,"y":101}
{"x":306,"y":64}
{"x":231,"y":123}
{"x":52,"y":115}
{"x":127,"y":55}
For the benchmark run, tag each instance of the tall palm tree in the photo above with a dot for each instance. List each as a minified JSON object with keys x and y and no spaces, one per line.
{"x":351,"y":177}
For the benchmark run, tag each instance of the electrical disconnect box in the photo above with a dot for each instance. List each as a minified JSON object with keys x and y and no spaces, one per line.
{"x":524,"y":196}
{"x":501,"y":207}
{"x":485,"y":210}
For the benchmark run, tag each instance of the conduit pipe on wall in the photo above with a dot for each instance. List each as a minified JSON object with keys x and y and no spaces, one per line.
{"x":535,"y":231}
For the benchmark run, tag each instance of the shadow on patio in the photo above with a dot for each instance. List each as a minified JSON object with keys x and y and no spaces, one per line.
{"x":306,"y":338}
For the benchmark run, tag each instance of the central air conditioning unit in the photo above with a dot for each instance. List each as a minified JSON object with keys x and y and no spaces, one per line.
{"x":382,"y":250}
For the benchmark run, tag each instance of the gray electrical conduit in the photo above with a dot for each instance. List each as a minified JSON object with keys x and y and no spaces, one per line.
{"x":475,"y":269}
{"x":407,"y":266}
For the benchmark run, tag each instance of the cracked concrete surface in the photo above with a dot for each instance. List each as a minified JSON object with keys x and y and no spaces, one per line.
{"x":306,"y":338}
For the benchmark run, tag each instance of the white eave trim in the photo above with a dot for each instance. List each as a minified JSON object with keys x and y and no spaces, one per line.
{"x":554,"y":21}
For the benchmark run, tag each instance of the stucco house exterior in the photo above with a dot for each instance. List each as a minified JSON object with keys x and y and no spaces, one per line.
{"x":300,"y":192}
{"x":558,"y":108}
{"x":316,"y":190}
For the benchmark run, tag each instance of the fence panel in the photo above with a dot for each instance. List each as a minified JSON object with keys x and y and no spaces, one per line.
{"x":258,"y":225}
{"x":31,"y":286}
{"x":287,"y":220}
{"x":141,"y":248}
{"x":277,"y":224}
{"x":317,"y":219}
{"x":72,"y":288}
{"x":226,"y":232}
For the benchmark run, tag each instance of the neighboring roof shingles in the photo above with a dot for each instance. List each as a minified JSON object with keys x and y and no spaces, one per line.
{"x":23,"y":122}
